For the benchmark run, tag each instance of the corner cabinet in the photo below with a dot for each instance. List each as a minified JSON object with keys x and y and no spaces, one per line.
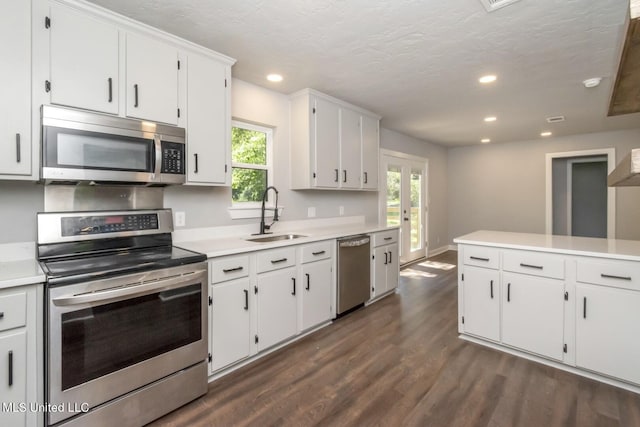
{"x":577,"y":313}
{"x":334,"y":145}
{"x":15,"y":86}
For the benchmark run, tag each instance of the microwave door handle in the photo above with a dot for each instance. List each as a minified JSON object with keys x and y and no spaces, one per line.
{"x":158,"y":160}
{"x":127,"y":291}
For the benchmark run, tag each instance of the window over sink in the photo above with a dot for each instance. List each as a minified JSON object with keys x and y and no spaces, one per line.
{"x":251,"y":162}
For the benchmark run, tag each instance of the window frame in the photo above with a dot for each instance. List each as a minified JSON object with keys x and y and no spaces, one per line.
{"x":268,"y":167}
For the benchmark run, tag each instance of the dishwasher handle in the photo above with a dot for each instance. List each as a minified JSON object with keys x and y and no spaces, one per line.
{"x":354,"y":241}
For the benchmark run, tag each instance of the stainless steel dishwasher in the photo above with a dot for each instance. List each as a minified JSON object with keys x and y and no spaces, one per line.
{"x":354,"y":277}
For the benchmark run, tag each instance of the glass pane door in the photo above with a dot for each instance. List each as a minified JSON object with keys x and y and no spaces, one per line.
{"x":415,"y":218}
{"x":393,"y":195}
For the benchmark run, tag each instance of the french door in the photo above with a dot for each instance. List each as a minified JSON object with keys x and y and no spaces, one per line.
{"x":403,"y":203}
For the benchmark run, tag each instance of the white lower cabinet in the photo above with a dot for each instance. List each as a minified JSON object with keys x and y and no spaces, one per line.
{"x":230,"y":322}
{"x":277,"y":306}
{"x":481,"y":302}
{"x":533,"y":314}
{"x":315,"y":293}
{"x":607,"y":320}
{"x":385,"y":268}
{"x":13,"y":376}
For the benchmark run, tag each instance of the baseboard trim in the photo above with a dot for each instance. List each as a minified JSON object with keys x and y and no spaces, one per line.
{"x":442,"y":249}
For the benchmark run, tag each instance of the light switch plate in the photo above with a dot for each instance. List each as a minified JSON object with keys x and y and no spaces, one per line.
{"x":180,"y":219}
{"x":311,"y":212}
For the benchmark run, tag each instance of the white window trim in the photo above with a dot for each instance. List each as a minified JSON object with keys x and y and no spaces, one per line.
{"x":244,"y":210}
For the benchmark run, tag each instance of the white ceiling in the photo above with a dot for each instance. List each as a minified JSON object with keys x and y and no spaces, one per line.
{"x":417,"y":62}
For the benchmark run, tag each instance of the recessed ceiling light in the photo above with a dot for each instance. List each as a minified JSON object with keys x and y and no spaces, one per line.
{"x":274,"y":77}
{"x":592,"y":82}
{"x":545,"y":134}
{"x":490,"y":119}
{"x":485,"y":140}
{"x":487,"y":79}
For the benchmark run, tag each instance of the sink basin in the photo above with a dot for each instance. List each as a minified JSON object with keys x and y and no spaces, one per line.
{"x":275,"y":238}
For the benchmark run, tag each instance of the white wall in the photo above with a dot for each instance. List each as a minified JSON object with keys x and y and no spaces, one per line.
{"x":207,"y":207}
{"x":437,"y":156}
{"x":19,"y":203}
{"x":502,"y":186}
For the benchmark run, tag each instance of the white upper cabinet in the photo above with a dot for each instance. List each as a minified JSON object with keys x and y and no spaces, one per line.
{"x":84,"y":61}
{"x":208,"y":121}
{"x":15,"y":86}
{"x":327,"y":143}
{"x":151,"y":79}
{"x":370,"y":148}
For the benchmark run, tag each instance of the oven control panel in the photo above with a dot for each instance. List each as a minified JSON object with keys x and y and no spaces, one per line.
{"x":99,"y":224}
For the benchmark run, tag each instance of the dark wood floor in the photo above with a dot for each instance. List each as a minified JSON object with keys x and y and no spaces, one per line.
{"x":400,"y":362}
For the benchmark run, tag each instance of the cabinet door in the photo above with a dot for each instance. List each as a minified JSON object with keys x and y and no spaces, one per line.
{"x":230,"y":322}
{"x":533,"y":314}
{"x":152,"y":80}
{"x":84,"y":61}
{"x":370,"y":147}
{"x":379,"y":272}
{"x":316,"y":293}
{"x":326,"y":137}
{"x":481,"y":302}
{"x":606,"y":331}
{"x":15,"y":86}
{"x":277,"y":306}
{"x":13,"y":376}
{"x":208,"y":121}
{"x":393,"y":268}
{"x":350,"y":148}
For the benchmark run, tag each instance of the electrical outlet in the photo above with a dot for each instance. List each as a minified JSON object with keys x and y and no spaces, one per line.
{"x":341,"y":210}
{"x":311,"y":212}
{"x":180,"y":219}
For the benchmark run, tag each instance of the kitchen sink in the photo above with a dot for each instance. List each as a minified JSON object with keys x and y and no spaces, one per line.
{"x":265,"y":239}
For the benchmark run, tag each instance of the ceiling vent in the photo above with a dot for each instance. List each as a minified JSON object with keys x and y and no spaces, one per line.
{"x":555,"y":119}
{"x":492,"y":5}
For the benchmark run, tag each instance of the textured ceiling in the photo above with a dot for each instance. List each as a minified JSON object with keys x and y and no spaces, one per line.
{"x":416,"y":62}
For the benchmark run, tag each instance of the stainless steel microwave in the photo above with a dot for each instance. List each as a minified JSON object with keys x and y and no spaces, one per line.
{"x":81,"y":146}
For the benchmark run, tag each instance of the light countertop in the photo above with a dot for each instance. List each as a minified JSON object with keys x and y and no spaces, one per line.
{"x":18,"y":265}
{"x":229,"y":245}
{"x":584,"y":246}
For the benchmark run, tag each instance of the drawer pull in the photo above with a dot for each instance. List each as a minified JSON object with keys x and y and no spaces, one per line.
{"x":246,"y":299}
{"x":276,"y":261}
{"x":318,"y":253}
{"x":610,"y":276}
{"x":537,"y":267}
{"x":491,"y":286}
{"x":10,"y":368}
{"x":388,"y":238}
{"x":479,"y":259}
{"x":231,"y":270}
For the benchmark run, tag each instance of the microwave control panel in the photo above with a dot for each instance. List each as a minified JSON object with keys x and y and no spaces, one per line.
{"x":172,"y":158}
{"x":83,"y":225}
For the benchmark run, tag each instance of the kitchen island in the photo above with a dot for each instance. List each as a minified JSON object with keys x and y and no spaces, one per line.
{"x":568,"y":302}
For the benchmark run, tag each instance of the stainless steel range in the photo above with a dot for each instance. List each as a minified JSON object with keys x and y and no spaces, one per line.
{"x":125,"y":317}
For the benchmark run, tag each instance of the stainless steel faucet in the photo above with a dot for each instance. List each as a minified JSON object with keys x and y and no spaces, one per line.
{"x":264,"y":227}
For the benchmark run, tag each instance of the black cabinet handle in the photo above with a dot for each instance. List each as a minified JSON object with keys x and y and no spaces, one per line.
{"x":110,"y":80}
{"x":10,"y":368}
{"x":308,"y":281}
{"x":508,"y":292}
{"x":18,"y":147}
{"x":366,"y":179}
{"x":318,"y":253}
{"x":276,"y":261}
{"x":491,"y":287}
{"x":388,"y":238}
{"x":537,"y":267}
{"x":390,"y":257}
{"x":294,"y":286}
{"x":196,"y":158}
{"x":135,"y":90}
{"x":336,"y":171}
{"x":344,"y":175}
{"x":1,"y":314}
{"x":246,"y":299}
{"x":230,"y":270}
{"x":386,"y":258}
{"x":609,"y":276}
{"x":479,"y":259}
{"x":584,"y":307}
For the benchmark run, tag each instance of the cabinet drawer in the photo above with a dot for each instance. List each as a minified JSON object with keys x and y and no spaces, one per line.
{"x":223,"y":269}
{"x":534,"y":263}
{"x":481,"y":256}
{"x":384,"y":238}
{"x":275,"y":259}
{"x":13,"y":310}
{"x":619,"y":274}
{"x":317,"y":251}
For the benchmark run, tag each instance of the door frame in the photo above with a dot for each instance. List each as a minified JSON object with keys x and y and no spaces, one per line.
{"x":382,"y":193}
{"x":610,"y":154}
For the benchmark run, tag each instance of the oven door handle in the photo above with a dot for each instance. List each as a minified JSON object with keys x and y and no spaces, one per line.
{"x":128,"y":291}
